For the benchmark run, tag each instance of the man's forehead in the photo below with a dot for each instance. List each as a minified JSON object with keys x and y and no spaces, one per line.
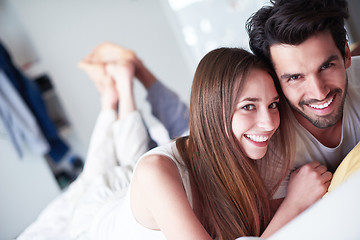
{"x":285,"y":57}
{"x":306,"y":56}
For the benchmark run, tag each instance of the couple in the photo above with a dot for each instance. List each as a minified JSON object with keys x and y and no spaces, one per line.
{"x":227,"y":178}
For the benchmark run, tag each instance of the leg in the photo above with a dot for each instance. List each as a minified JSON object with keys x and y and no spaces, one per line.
{"x":166,"y":105}
{"x":130,"y":133}
{"x":101,"y":153}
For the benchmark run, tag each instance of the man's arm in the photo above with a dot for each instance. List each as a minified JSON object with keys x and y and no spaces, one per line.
{"x":307,"y":185}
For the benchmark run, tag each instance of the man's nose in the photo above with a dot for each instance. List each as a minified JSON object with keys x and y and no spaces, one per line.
{"x":317,"y":87}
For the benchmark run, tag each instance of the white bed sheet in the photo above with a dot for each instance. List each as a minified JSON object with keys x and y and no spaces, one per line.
{"x":52,"y":222}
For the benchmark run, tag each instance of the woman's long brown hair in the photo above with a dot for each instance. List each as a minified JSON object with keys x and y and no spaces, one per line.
{"x":233,"y":199}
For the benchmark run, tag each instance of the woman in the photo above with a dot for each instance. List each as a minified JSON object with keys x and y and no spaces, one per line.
{"x":217,"y":182}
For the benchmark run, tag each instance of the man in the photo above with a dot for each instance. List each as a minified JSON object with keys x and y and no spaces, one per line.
{"x":305,"y":41}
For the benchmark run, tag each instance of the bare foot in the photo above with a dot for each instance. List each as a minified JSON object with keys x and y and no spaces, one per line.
{"x":122,"y":73}
{"x":109,"y":52}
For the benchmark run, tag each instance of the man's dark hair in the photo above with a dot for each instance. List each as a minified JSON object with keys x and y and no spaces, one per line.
{"x":294,"y":21}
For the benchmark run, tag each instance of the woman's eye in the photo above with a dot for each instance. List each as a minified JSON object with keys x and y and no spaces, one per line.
{"x":248,"y":107}
{"x":274,"y":105}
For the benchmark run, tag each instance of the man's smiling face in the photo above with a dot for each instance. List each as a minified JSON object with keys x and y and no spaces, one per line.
{"x":313,"y":78}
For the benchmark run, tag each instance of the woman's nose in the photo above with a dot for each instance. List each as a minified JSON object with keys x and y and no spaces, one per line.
{"x":268,"y":120}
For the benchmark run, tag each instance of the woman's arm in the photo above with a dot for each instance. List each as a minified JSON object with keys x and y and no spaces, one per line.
{"x":307,"y":185}
{"x":159,"y":201}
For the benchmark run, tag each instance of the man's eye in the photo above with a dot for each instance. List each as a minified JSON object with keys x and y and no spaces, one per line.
{"x":294,"y":77}
{"x":248,"y":107}
{"x":274,"y":105}
{"x":326,"y":66}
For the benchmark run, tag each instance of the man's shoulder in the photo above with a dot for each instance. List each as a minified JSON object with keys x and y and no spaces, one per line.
{"x":355,"y":60}
{"x":353,"y":75}
{"x":353,"y":71}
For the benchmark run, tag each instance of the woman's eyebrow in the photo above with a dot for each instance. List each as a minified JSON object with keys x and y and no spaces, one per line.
{"x":250,"y":99}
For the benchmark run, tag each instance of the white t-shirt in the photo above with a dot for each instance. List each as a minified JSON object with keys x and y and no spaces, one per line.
{"x":309,"y":149}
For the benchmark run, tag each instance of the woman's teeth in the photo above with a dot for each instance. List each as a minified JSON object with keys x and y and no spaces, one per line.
{"x":257,"y":138}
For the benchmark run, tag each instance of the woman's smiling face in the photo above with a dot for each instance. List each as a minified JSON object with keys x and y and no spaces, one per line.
{"x":256,"y":116}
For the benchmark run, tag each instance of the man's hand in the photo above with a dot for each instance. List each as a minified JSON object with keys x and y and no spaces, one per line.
{"x":307,"y":185}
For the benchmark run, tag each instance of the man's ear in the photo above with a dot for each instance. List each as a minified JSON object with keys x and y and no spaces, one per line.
{"x":347,"y":55}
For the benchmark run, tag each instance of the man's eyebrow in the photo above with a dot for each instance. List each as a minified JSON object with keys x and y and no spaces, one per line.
{"x":288,"y":75}
{"x":331,"y":58}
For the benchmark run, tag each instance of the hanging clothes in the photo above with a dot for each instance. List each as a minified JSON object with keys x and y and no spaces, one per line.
{"x":19,"y":122}
{"x":31,"y":95}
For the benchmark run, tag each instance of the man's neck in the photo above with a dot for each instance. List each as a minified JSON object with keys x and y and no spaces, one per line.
{"x":329,"y":137}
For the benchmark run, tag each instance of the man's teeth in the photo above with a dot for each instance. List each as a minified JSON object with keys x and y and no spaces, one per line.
{"x":257,"y":138}
{"x":321,"y":106}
